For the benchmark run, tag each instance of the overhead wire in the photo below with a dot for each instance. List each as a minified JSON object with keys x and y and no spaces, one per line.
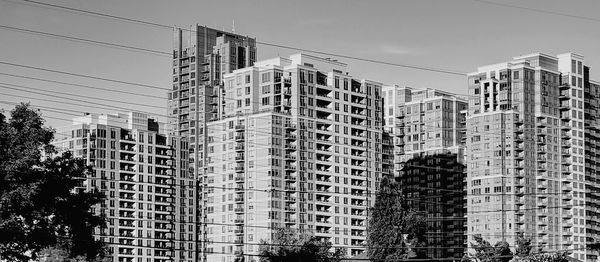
{"x":305,"y":50}
{"x":503,"y":4}
{"x":163,"y":26}
{"x":225,"y":98}
{"x":349,"y":259}
{"x":85,"y":40}
{"x":270,"y":145}
{"x":143,"y":94}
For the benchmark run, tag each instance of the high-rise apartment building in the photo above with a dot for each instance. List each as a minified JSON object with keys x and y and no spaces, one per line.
{"x":201,"y":56}
{"x":298,"y":146}
{"x":591,"y":95}
{"x":428,"y":129}
{"x":426,"y":121}
{"x":433,"y":184}
{"x":149,"y":203}
{"x":530,"y":122}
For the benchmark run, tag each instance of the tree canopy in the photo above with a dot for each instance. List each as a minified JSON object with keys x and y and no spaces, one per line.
{"x":39,"y":207}
{"x":290,"y":246}
{"x":500,"y":252}
{"x":485,"y":252}
{"x":395,"y":230}
{"x":523,"y":246}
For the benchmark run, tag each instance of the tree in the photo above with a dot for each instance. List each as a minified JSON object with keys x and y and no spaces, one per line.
{"x":288,"y":245}
{"x":502,"y":252}
{"x":39,"y":207}
{"x":547,"y":257}
{"x":58,"y":254}
{"x":395,"y":230}
{"x":523,"y":246}
{"x":485,"y":252}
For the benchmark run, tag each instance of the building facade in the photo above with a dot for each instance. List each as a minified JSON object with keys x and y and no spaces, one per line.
{"x":149,"y":203}
{"x":428,"y":131}
{"x":298,"y":146}
{"x":526,"y":140}
{"x":424,"y":121}
{"x":592,"y":148}
{"x":201,"y":56}
{"x":434,"y":184}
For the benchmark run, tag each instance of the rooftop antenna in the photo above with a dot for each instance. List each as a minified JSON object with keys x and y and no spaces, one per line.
{"x":233,"y":26}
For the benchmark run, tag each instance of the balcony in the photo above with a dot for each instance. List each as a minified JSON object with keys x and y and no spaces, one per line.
{"x":290,"y":199}
{"x":541,"y":140}
{"x":520,"y":219}
{"x":519,"y":147}
{"x":519,"y":191}
{"x":128,"y":149}
{"x":239,"y":147}
{"x":519,"y":164}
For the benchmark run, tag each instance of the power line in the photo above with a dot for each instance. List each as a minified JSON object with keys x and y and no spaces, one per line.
{"x":151,"y":113}
{"x":160,"y":88}
{"x":593,"y":19}
{"x":82,"y":75}
{"x":16,"y":87}
{"x":362,"y":247}
{"x":55,"y":101}
{"x":300,"y":245}
{"x":98,"y":14}
{"x":366,"y":59}
{"x":41,"y":107}
{"x":83,"y":86}
{"x":84,"y":40}
{"x":79,"y":100}
{"x":163,"y":26}
{"x":156,"y":87}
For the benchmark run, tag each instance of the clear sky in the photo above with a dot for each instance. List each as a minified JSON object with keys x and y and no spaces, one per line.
{"x":457,"y":35}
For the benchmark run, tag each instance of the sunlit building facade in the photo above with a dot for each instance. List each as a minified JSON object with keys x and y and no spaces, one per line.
{"x":529,"y":125}
{"x":298,"y":146}
{"x":150,"y":202}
